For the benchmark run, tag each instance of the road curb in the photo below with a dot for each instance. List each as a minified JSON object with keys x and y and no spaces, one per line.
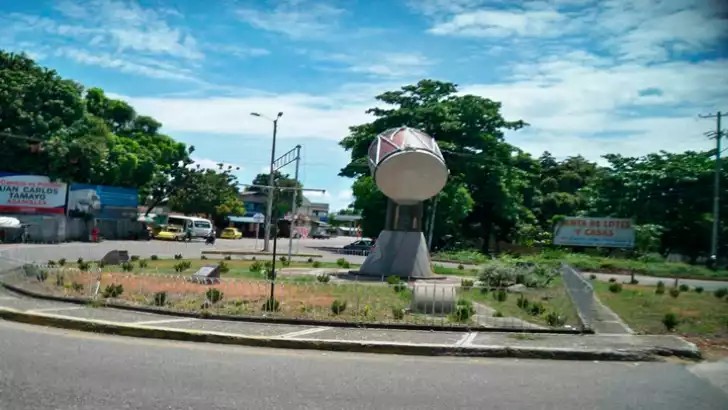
{"x":285,"y":321}
{"x":121,"y":329}
{"x":257,"y":253}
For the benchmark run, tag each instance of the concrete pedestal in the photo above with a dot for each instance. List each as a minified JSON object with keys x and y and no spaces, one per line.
{"x":399,"y":253}
{"x":401,"y":249}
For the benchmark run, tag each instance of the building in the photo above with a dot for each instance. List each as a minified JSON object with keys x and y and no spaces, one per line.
{"x":309,"y":217}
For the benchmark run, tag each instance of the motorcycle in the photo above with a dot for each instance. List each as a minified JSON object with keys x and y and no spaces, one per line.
{"x":210,"y":240}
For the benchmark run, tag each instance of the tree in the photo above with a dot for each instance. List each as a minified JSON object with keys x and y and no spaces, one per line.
{"x":282,"y":199}
{"x":213,"y":193}
{"x":469,"y":130}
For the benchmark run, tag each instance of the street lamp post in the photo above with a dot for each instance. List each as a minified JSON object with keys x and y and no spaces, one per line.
{"x":269,"y":205}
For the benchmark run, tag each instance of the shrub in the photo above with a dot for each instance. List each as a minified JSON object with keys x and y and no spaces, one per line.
{"x":461,"y":267}
{"x":154,"y":257}
{"x":177,"y":256}
{"x":670,"y":321}
{"x":79,"y":261}
{"x":309,"y":260}
{"x":397,"y":313}
{"x":592,"y":276}
{"x":463,"y":311}
{"x":338,"y":306}
{"x":316,"y":264}
{"x":182,"y":266}
{"x":684,"y":288}
{"x":522,"y":302}
{"x":127,"y":266}
{"x":84,"y":266}
{"x":143,"y":263}
{"x":634,"y":282}
{"x":113,"y":291}
{"x":253,"y":258}
{"x":224,"y":268}
{"x":77,"y":287}
{"x":554,"y":319}
{"x":268,"y":265}
{"x":42,"y":275}
{"x":399,"y":287}
{"x":256,"y":267}
{"x":501,"y":295}
{"x":345,"y":265}
{"x":341,"y":262}
{"x":271,"y":305}
{"x":393,"y":280}
{"x":674,"y":292}
{"x":699,"y":289}
{"x":497,"y":313}
{"x":720,"y":293}
{"x":536,"y":308}
{"x":228,"y":257}
{"x":323,"y":278}
{"x":62,"y":262}
{"x":160,"y":298}
{"x":660,"y":291}
{"x":134,"y":258}
{"x":203,"y":257}
{"x":59,"y":280}
{"x":612,"y":280}
{"x":100,"y":264}
{"x":615,"y":287}
{"x":213,"y":295}
{"x":283,"y":259}
{"x":51,"y":263}
{"x":466,"y":284}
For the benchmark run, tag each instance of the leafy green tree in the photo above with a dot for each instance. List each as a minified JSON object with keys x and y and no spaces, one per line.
{"x":213,"y":193}
{"x":282,"y":199}
{"x":469,"y":130}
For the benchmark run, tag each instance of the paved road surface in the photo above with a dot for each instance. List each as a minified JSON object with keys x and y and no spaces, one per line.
{"x":44,"y":368}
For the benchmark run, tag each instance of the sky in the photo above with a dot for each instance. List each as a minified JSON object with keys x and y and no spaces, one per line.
{"x":590,"y":77}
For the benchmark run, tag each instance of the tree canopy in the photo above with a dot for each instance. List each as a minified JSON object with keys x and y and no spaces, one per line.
{"x":53,"y":126}
{"x":497,"y":192}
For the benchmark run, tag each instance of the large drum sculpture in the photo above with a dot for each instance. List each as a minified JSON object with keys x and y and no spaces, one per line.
{"x":408,"y":168}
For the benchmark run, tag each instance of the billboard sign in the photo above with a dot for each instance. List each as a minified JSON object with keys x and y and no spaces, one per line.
{"x":31,"y":194}
{"x":103,"y":202}
{"x":598,"y":232}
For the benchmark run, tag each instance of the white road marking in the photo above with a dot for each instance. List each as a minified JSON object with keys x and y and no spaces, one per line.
{"x":54,"y":309}
{"x":467,"y":339}
{"x":304,"y":332}
{"x":157,"y":322}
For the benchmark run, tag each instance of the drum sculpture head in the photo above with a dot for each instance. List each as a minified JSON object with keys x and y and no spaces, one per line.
{"x":407,"y":165}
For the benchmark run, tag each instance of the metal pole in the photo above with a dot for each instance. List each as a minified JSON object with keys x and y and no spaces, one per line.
{"x":273,"y":276}
{"x":716,"y":192}
{"x":432,"y":224}
{"x":271,"y":192}
{"x":293,"y":206}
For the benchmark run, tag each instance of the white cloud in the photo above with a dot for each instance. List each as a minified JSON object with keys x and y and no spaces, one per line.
{"x":294,"y":18}
{"x":207,"y":163}
{"x":125,"y":25}
{"x":502,"y":23}
{"x":141,"y":66}
{"x":374,"y":64}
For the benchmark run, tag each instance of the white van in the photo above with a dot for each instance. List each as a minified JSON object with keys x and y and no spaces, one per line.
{"x":201,"y":227}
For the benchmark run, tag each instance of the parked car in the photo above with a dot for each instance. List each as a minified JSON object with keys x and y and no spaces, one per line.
{"x":364,"y":244}
{"x":170,"y":233}
{"x":231,"y":233}
{"x":321,"y":235}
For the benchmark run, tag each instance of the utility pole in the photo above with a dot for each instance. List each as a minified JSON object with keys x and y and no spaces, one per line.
{"x":269,"y":205}
{"x":716,"y":187}
{"x":432,"y":222}
{"x":293,"y":205}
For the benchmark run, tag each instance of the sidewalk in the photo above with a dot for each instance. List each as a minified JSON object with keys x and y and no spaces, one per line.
{"x":461,"y":343}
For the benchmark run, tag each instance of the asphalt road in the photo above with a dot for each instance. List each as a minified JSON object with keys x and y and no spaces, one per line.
{"x":708,"y":285}
{"x":43,"y":368}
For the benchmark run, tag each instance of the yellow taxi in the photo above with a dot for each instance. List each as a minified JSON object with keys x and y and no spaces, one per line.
{"x":170,"y":233}
{"x":231,"y":233}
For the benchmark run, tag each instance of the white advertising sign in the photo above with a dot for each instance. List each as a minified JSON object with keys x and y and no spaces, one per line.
{"x":598,"y":232}
{"x":31,"y":194}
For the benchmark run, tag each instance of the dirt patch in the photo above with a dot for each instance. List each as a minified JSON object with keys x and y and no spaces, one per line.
{"x":713,"y":348}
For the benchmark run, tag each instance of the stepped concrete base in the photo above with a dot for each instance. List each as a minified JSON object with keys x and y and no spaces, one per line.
{"x":399,"y":253}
